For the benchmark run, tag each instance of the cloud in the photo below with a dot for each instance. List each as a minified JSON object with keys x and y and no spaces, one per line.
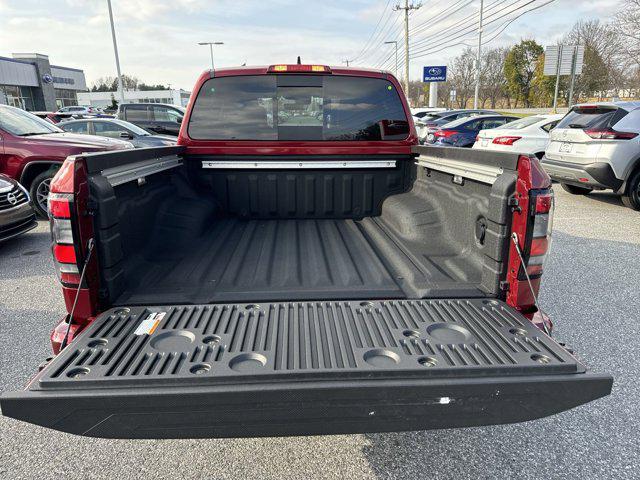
{"x":157,"y":39}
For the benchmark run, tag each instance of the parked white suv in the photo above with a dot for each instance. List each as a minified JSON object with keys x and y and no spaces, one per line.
{"x":597,"y":146}
{"x":529,"y":135}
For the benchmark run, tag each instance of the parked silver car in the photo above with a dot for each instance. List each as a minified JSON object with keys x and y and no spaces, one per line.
{"x":597,"y":147}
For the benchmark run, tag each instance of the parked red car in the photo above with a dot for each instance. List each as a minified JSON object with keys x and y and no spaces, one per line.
{"x":32,"y":150}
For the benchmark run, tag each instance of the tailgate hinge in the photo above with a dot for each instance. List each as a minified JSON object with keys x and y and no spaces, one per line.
{"x":514,"y":204}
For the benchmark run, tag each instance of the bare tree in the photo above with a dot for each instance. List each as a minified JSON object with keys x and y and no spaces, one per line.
{"x":462,"y":76}
{"x":604,"y":67}
{"x":110,"y":84}
{"x":627,"y":25}
{"x":493,"y":81}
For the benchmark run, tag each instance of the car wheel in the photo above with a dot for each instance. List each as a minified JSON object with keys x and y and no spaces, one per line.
{"x":575,"y":190}
{"x":631,"y":198}
{"x":39,"y":191}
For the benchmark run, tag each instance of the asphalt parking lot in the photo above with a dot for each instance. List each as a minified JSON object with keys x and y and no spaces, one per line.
{"x":590,"y":289}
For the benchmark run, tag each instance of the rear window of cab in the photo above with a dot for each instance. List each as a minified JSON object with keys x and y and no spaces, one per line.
{"x":298,"y":107}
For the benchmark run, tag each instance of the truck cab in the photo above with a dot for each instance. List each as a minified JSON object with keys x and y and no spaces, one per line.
{"x":298,"y":265}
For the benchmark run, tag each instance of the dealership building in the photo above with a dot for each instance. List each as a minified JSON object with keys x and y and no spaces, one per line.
{"x":177,"y":97}
{"x":29,"y":81}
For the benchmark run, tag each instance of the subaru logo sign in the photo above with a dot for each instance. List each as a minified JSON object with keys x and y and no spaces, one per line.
{"x":434,"y":74}
{"x":46,"y":78}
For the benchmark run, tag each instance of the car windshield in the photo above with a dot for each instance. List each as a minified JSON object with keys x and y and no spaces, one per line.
{"x":21,"y":123}
{"x":459,"y":122}
{"x":521,"y":123}
{"x":134,"y":128}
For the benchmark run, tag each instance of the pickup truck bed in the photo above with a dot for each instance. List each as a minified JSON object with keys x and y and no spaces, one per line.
{"x":295,"y":368}
{"x":256,"y":260}
{"x":195,"y":235}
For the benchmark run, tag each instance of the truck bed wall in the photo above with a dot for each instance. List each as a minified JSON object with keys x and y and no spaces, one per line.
{"x":421,"y":227}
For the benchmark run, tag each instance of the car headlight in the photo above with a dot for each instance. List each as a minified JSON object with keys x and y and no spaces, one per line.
{"x":5,"y":185}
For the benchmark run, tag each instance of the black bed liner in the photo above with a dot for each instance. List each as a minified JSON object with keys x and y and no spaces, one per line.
{"x":296,"y":368}
{"x":297,"y":259}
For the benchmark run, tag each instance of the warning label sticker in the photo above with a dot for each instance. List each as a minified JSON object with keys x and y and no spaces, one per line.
{"x":149,"y":324}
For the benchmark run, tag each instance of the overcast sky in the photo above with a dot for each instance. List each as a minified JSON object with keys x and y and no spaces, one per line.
{"x":158,"y":39}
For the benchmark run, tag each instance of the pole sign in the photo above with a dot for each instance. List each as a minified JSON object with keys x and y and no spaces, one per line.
{"x":559,"y":59}
{"x":434,"y":74}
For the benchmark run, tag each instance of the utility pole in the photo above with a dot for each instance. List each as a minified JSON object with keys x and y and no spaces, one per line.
{"x":406,"y":9}
{"x":346,"y":61}
{"x":115,"y":49}
{"x":574,"y":60}
{"x":555,"y":95}
{"x":479,"y":61}
{"x":396,"y":47}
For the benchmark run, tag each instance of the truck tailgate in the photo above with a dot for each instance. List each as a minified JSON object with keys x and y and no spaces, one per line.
{"x":301,"y":368}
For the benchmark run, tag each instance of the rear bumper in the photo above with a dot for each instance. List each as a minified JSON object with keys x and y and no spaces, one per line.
{"x":304,"y":408}
{"x":16,"y":221}
{"x":596,"y":175}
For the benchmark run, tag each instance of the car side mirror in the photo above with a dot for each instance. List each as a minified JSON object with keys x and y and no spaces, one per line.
{"x":126,"y":135}
{"x":179,"y":120}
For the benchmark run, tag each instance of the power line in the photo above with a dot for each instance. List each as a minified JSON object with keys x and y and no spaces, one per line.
{"x":366,"y":45}
{"x":449,"y":45}
{"x":470,"y":29}
{"x":393,"y":33}
{"x":427,"y":22}
{"x":464,"y":23}
{"x":388,"y":31}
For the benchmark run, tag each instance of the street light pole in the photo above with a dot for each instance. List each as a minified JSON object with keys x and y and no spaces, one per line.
{"x":478,"y":61}
{"x":395,"y":42}
{"x":115,"y":49}
{"x":211,"y":44}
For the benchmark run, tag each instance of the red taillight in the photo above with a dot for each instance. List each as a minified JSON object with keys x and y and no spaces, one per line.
{"x":59,"y":207}
{"x":445,"y":133}
{"x":65,"y":253}
{"x":541,"y":232}
{"x":506,"y":140}
{"x":539,"y":246}
{"x":610,"y":134}
{"x":544,"y":203}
